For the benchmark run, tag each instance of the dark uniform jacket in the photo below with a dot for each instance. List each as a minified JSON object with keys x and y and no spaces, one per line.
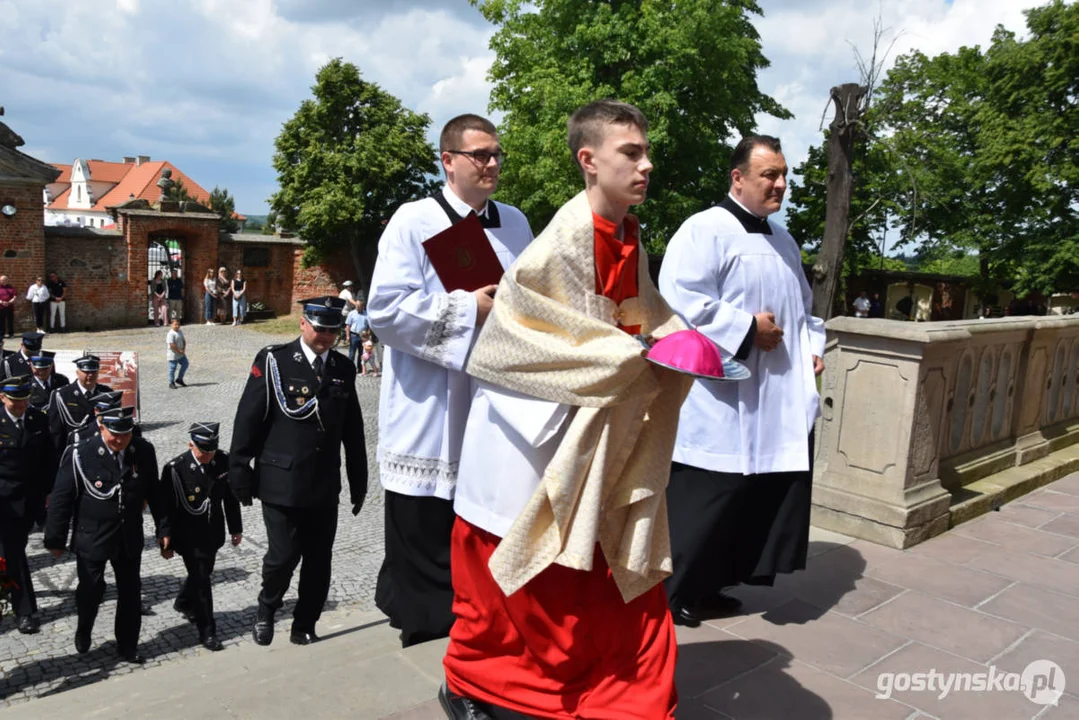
{"x":4,"y":355}
{"x":104,"y":506}
{"x":14,"y":365}
{"x":27,"y":466}
{"x":70,"y":410}
{"x":292,"y":428}
{"x":199,"y":502}
{"x":39,"y":396}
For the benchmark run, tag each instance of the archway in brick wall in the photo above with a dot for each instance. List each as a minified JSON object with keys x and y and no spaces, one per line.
{"x":155,"y":240}
{"x":164,"y":254}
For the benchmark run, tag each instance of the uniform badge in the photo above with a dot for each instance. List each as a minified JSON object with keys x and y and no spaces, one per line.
{"x":297,"y":356}
{"x":337,"y":381}
{"x":194,"y":467}
{"x":197,"y":488}
{"x":305,"y":390}
{"x":97,"y":484}
{"x":101,"y":451}
{"x":255,"y":372}
{"x":329,"y":303}
{"x":191,"y":498}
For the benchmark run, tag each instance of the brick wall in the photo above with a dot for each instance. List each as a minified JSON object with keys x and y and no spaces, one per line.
{"x":270,"y":285}
{"x":94,"y":265}
{"x":322,"y":279}
{"x":22,"y":244}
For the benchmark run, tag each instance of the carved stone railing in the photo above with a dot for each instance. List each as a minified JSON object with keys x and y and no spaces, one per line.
{"x":914,"y":415}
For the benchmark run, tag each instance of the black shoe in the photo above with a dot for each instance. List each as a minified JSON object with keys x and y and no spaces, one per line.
{"x":131,"y":655}
{"x":145,"y":610}
{"x":718,"y":605}
{"x":82,"y":641}
{"x":181,"y":383}
{"x":263,"y":632}
{"x":685,"y":617}
{"x":302,"y":637}
{"x":459,"y":707}
{"x":172,"y":386}
{"x":210,"y":642}
{"x":28,"y":625}
{"x":184,"y":610}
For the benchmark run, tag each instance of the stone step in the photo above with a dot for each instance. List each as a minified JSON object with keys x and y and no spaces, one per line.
{"x":981,"y":496}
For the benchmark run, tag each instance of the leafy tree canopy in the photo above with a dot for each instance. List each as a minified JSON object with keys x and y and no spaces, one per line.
{"x":224,"y":205}
{"x":690,"y":65}
{"x":345,"y":161}
{"x":973,"y":156}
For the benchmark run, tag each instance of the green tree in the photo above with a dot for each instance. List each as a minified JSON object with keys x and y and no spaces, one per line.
{"x":224,"y":205}
{"x":973,"y":155}
{"x":690,"y":65}
{"x":178,"y":192}
{"x":345,"y":161}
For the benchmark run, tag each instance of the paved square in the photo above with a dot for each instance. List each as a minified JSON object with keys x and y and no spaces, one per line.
{"x":35,"y":665}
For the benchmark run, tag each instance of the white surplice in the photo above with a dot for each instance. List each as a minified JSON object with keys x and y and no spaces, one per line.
{"x":427,"y":334}
{"x":509,"y":439}
{"x":717,"y":276}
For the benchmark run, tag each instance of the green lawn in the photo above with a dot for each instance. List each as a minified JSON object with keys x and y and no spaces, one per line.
{"x":281,"y":325}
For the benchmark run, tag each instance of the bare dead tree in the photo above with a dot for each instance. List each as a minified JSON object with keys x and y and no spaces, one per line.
{"x":849,"y":100}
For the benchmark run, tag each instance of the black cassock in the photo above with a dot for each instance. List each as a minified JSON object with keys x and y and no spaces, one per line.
{"x":286,"y":450}
{"x":200,"y":505}
{"x":103,"y":500}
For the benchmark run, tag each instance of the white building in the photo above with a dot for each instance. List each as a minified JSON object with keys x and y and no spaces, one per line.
{"x":85,"y":188}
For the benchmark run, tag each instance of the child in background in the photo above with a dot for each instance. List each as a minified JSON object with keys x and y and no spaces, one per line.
{"x":368,"y":358}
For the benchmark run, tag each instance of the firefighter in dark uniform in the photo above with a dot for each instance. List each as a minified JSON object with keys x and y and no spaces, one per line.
{"x":195,"y":491}
{"x":45,"y":380}
{"x":27,"y":467}
{"x":4,"y":355}
{"x":298,"y":408}
{"x":70,"y":408}
{"x":18,"y":363}
{"x":103,"y":484}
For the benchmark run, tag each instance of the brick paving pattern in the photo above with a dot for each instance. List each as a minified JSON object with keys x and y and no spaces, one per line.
{"x":36,"y":665}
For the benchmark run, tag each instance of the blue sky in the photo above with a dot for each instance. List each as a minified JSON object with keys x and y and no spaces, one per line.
{"x":207,"y":84}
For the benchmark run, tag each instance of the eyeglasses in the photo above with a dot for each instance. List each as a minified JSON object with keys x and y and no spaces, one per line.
{"x":482,"y":157}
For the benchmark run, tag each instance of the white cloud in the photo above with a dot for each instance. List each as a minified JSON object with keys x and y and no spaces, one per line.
{"x":809,"y":45}
{"x":207,"y":83}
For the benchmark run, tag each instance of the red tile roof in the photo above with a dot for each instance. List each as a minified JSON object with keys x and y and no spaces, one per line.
{"x":110,"y":172}
{"x":130,"y":180}
{"x":60,"y":201}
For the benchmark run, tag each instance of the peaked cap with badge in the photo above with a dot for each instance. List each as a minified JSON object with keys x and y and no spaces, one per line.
{"x":323,"y":312}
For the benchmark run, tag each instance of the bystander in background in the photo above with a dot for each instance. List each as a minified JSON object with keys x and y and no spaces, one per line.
{"x":8,"y":297}
{"x":38,"y":294}
{"x":159,"y":299}
{"x":239,"y":298}
{"x":176,"y":353}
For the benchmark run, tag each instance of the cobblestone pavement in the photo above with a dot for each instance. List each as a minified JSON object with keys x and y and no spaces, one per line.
{"x":36,"y":665}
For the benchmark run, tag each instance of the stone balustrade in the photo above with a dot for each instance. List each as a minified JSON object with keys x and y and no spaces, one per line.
{"x":924,"y":425}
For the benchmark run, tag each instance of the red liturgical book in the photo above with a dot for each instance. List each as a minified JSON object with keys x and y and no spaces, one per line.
{"x":463,"y":257}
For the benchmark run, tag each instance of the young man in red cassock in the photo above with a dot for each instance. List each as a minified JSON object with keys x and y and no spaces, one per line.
{"x":561,"y":540}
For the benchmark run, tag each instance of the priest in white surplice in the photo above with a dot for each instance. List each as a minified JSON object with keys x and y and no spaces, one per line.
{"x":425,"y":396}
{"x":739,"y":493}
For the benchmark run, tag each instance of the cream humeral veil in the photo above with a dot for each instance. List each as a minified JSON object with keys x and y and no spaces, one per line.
{"x":551,"y":336}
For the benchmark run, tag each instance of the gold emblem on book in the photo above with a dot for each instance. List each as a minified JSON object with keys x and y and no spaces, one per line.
{"x":464,"y":259}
